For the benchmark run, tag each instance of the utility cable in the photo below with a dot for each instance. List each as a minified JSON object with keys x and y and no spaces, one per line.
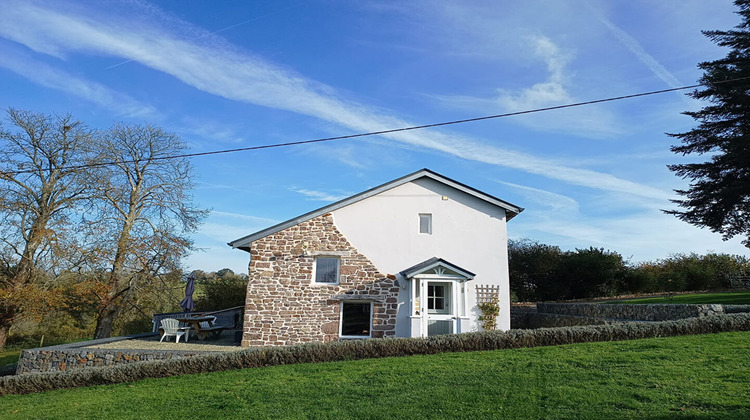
{"x":381,"y":132}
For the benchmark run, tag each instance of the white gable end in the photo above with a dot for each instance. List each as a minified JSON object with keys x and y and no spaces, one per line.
{"x":466,"y":230}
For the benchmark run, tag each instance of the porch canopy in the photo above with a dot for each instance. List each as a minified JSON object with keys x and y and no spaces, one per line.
{"x":437,"y":266}
{"x":438,"y":297}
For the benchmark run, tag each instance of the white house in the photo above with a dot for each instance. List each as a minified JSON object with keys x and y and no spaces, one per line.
{"x":404,"y":259}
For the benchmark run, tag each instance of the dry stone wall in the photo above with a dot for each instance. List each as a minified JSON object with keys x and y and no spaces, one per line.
{"x":73,"y":356}
{"x":650,"y":312}
{"x":571,"y":314}
{"x":284,"y":306}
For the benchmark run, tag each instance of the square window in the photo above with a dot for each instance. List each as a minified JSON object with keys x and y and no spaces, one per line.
{"x":425,"y":223}
{"x":355,"y":319}
{"x":327,"y":270}
{"x":438,"y":298}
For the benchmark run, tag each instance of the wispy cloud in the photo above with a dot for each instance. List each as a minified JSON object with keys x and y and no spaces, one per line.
{"x":556,"y":204}
{"x":214,"y":67}
{"x":631,"y":235}
{"x":547,"y":93}
{"x":554,"y":90}
{"x":557,"y":219}
{"x":48,"y":76}
{"x":320,"y":195}
{"x":210,"y":130}
{"x":253,"y":219}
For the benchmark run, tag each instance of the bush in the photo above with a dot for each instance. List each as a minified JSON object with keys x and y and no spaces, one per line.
{"x":531,"y":267}
{"x":220,"y":290}
{"x":701,"y":272}
{"x":588,"y":273}
{"x":540,"y":272}
{"x":372,"y":348}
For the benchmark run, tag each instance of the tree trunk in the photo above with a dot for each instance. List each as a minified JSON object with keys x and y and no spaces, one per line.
{"x":105,"y":322}
{"x":118,"y":295}
{"x":24,"y":275}
{"x":3,"y":334}
{"x":7,"y":316}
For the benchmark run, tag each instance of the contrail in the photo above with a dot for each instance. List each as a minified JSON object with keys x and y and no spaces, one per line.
{"x":631,"y":44}
{"x":211,"y":33}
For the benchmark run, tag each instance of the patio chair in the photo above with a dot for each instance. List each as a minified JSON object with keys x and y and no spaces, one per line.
{"x":207,"y":324}
{"x":171,"y":326}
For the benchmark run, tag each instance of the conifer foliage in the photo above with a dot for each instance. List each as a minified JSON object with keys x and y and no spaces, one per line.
{"x":719,"y":193}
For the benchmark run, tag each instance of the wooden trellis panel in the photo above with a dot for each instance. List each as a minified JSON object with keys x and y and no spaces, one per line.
{"x":486,"y":293}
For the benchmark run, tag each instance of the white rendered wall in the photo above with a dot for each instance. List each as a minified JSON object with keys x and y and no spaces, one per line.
{"x":466,"y":231}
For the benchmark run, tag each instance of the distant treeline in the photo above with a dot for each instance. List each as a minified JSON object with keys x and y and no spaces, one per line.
{"x":73,"y":313}
{"x":540,"y":272}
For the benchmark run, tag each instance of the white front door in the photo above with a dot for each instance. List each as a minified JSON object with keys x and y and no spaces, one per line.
{"x":438,"y":300}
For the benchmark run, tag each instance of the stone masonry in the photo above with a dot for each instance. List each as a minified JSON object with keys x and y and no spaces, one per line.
{"x":568,"y":314}
{"x":65,"y":357}
{"x":650,"y":312}
{"x":284,"y":306}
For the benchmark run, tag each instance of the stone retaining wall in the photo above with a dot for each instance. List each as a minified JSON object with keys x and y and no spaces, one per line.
{"x":525,"y":320}
{"x":655,"y":312}
{"x":78,"y":355}
{"x":736,"y":309}
{"x":571,"y":314}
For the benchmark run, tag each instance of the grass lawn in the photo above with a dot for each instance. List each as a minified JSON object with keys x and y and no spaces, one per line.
{"x":704,"y":376}
{"x":9,"y":356}
{"x":726,"y":298}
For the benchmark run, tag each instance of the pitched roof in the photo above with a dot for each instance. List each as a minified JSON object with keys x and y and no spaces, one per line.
{"x":510,"y":209}
{"x":432,"y":263}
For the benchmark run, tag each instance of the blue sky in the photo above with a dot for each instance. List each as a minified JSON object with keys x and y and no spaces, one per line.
{"x":235,"y":74}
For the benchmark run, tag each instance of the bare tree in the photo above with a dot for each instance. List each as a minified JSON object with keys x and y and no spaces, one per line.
{"x":40,"y":185}
{"x":146,"y":212}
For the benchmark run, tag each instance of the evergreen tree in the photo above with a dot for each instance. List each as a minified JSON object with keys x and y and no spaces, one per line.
{"x":719,"y":193}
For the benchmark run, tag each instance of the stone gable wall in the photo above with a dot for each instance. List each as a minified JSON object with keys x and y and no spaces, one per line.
{"x":283,"y":304}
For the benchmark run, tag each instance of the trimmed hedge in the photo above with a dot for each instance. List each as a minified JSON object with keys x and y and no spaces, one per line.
{"x":365,"y":349}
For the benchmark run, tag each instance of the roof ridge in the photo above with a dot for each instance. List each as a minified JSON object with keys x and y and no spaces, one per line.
{"x":512,"y":210}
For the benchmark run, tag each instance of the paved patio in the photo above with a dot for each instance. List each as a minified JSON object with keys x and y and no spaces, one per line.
{"x":224,"y":343}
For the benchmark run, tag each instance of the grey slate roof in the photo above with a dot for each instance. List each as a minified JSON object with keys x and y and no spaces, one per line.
{"x":414,"y":270}
{"x":510,"y":209}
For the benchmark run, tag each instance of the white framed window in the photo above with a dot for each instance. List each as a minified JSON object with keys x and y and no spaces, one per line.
{"x":326,"y":270}
{"x":425,"y":223}
{"x":356,"y":319}
{"x":439,"y":298}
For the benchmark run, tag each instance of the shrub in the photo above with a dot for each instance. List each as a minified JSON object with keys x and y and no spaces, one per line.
{"x":531,"y":266}
{"x":220,"y":290}
{"x":372,"y":348}
{"x":541,"y":272}
{"x":587,"y":273}
{"x":490,"y":310}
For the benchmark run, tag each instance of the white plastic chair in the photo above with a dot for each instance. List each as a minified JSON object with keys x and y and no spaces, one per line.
{"x":172,"y":327}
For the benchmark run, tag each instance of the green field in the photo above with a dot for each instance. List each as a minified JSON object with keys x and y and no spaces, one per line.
{"x":703,"y":376}
{"x":9,"y":356}
{"x":726,"y":298}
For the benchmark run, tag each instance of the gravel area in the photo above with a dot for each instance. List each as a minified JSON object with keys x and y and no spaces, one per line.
{"x":223,"y":343}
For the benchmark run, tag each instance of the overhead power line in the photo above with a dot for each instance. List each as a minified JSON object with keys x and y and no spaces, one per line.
{"x":389,"y":131}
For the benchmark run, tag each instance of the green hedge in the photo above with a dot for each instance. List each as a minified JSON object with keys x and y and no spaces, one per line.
{"x":364,"y":349}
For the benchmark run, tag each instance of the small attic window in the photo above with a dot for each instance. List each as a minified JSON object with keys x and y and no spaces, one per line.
{"x":425,"y":223}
